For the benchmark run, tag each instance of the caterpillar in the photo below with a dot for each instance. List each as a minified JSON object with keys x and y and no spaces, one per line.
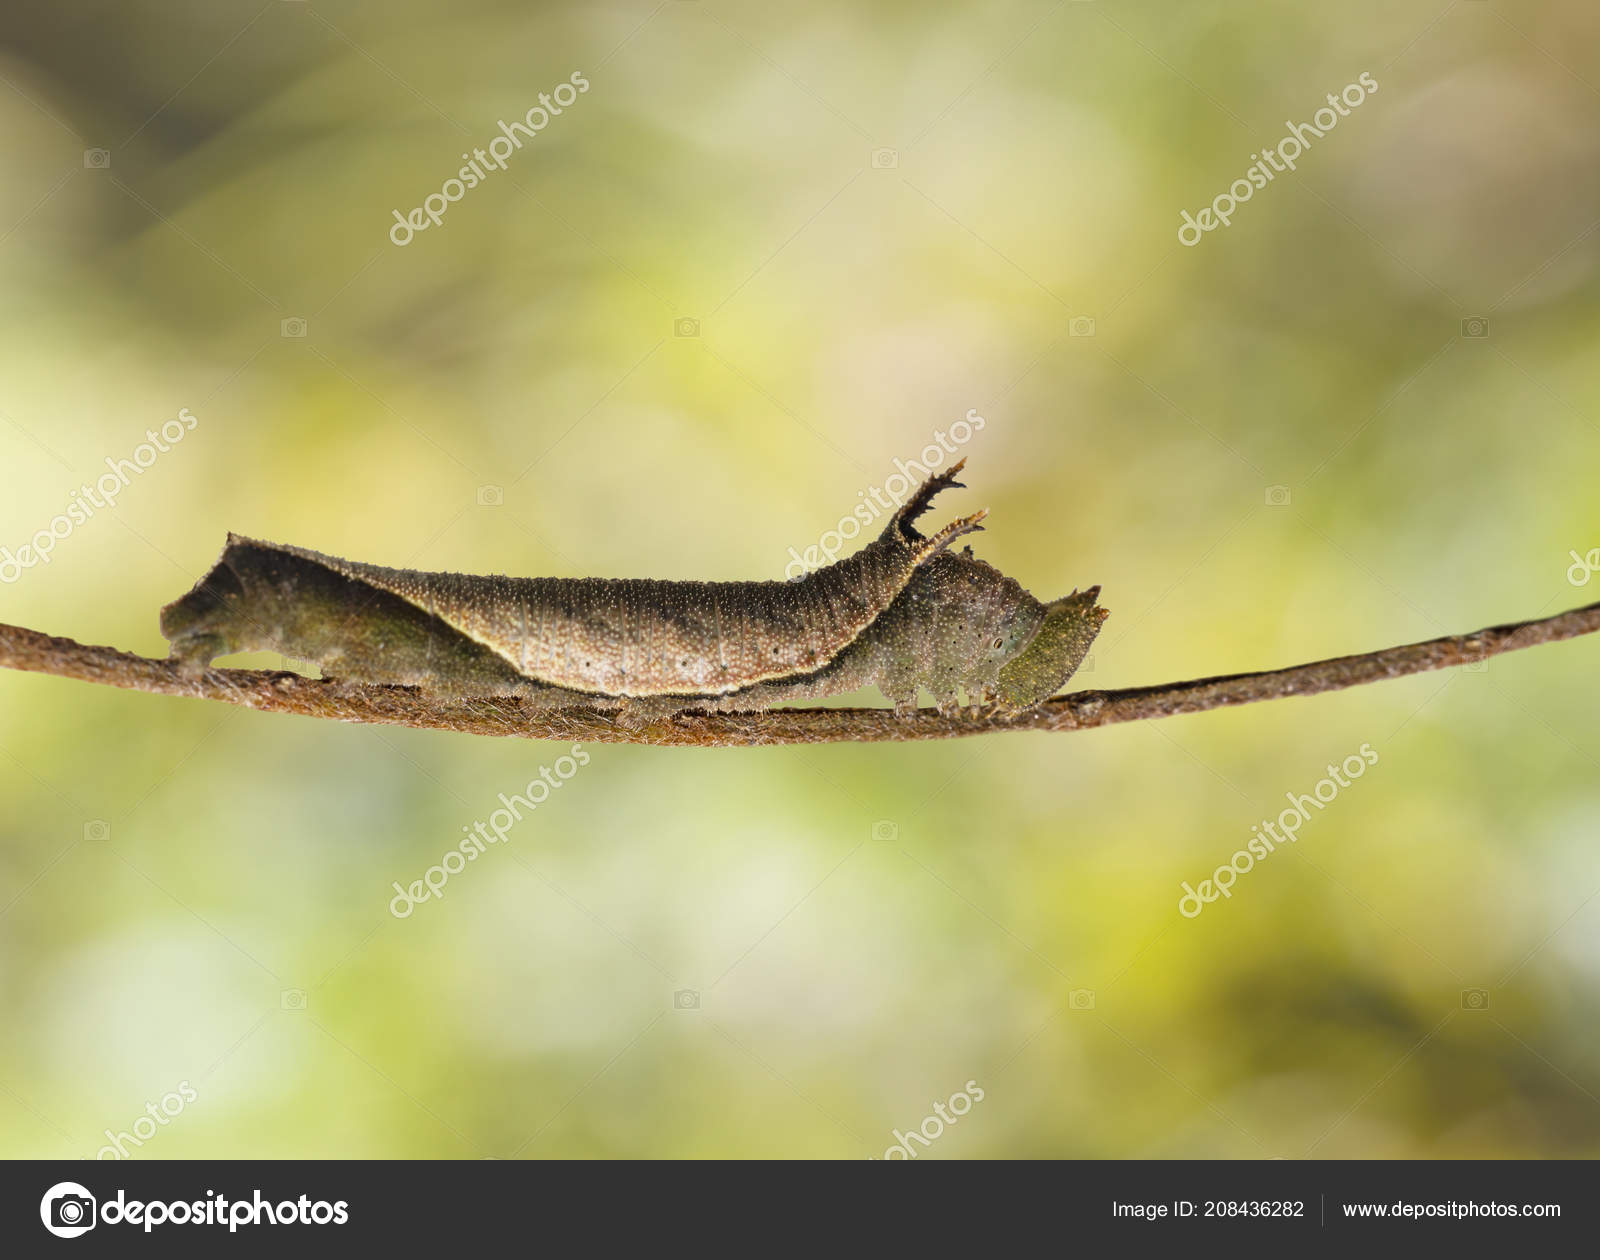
{"x":904,"y":613}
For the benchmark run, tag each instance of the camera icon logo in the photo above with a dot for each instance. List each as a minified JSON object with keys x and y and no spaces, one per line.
{"x":1474,"y":999}
{"x":885,"y":829}
{"x":686,"y":327}
{"x":1081,"y":326}
{"x":1081,"y":1000}
{"x":294,"y":326}
{"x":686,"y":1000}
{"x":1279,"y":496}
{"x":67,"y":1209}
{"x":885,"y":159}
{"x":292,"y":999}
{"x":97,"y":829}
{"x":1475,"y":326}
{"x":96,"y":159}
{"x":491,"y":496}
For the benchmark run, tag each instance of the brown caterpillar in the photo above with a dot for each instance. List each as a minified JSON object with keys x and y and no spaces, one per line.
{"x":903,"y":613}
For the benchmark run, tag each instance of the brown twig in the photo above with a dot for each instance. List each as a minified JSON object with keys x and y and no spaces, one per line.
{"x":279,"y":692}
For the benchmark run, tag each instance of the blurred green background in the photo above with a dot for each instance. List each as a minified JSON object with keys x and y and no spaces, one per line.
{"x":1275,"y":446}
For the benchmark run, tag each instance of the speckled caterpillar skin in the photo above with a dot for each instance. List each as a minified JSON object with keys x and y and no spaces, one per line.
{"x":961,"y":629}
{"x":902,"y":613}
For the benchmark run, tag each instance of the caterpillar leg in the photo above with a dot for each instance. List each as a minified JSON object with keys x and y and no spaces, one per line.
{"x":634,"y":712}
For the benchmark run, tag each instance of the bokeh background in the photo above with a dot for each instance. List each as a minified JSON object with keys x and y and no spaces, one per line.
{"x":1277,"y":445}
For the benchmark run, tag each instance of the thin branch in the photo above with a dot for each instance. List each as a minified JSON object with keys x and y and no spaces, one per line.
{"x":280,"y":692}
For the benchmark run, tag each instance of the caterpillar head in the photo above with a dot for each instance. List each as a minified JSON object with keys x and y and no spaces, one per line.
{"x":955,"y":630}
{"x":1053,"y":654}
